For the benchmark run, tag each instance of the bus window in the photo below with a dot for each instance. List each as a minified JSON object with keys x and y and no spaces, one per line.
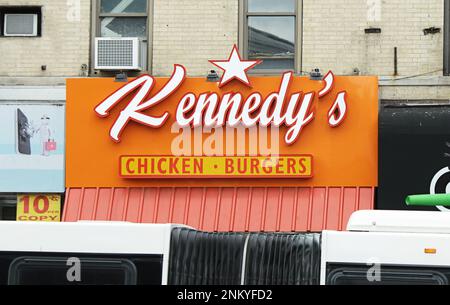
{"x":362,"y":275}
{"x":66,"y":271}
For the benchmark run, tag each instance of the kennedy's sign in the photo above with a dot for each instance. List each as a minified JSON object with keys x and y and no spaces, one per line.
{"x":255,"y":128}
{"x":231,"y":109}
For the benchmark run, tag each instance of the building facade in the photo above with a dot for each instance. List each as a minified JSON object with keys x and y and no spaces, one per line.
{"x":391,"y":39}
{"x":404,"y":43}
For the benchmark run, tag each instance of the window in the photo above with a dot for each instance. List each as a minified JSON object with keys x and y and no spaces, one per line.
{"x":20,"y":21}
{"x":389,"y":275}
{"x":53,"y":271}
{"x":123,"y":18}
{"x":25,"y":267}
{"x":8,"y":207}
{"x":270,"y":34}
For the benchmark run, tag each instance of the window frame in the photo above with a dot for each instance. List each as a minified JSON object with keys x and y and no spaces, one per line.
{"x":101,"y":15}
{"x":25,"y":10}
{"x":97,"y":15}
{"x":243,"y":34}
{"x":122,"y":264}
{"x":412,"y":273}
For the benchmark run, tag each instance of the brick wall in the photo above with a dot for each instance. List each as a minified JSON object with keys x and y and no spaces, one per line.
{"x":334,"y":36}
{"x":63,"y":47}
{"x":192,"y":32}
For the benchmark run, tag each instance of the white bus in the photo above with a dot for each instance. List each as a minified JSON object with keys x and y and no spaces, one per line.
{"x":388,"y":247}
{"x":103,"y":253}
{"x":379,"y":247}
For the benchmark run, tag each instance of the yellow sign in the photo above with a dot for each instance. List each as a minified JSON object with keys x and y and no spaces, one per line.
{"x":39,"y":208}
{"x":216,"y":167}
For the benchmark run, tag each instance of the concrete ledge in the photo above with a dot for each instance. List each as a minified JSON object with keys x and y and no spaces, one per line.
{"x":32,"y":81}
{"x":32,"y":93}
{"x":415,"y":103}
{"x":414,"y":81}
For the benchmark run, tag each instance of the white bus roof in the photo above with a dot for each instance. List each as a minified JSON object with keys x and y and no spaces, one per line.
{"x":400,"y":221}
{"x":86,"y":237}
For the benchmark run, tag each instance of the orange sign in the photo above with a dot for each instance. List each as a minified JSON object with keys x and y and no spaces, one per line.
{"x":179,"y":128}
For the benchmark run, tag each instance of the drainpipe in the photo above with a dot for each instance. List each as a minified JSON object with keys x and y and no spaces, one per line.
{"x":447,"y":37}
{"x":395,"y":62}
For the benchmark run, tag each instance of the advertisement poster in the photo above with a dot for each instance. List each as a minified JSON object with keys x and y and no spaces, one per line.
{"x":42,"y":207}
{"x":422,"y":134}
{"x":32,"y":148}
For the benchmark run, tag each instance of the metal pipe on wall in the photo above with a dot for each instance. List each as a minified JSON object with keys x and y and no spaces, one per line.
{"x":447,"y":37}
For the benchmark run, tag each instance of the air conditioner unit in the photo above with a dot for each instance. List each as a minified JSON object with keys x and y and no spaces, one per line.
{"x":20,"y":25}
{"x":119,"y":53}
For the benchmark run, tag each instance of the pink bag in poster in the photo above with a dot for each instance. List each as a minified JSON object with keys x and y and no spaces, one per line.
{"x":50,"y":145}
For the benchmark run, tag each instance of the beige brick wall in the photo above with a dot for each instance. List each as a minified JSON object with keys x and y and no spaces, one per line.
{"x":415,"y":93}
{"x":334,"y":36}
{"x":63,"y":47}
{"x":190,"y":32}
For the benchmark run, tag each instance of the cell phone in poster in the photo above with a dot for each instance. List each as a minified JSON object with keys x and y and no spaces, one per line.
{"x":32,"y":147}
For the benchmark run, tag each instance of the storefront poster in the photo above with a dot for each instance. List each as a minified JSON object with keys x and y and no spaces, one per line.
{"x":32,"y":148}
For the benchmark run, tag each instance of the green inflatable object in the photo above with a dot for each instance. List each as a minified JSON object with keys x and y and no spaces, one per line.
{"x":429,"y":200}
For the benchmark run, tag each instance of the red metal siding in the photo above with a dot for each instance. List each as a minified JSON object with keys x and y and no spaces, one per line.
{"x":222,"y":209}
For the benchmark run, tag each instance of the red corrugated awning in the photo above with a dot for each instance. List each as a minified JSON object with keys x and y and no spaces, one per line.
{"x":222,"y":209}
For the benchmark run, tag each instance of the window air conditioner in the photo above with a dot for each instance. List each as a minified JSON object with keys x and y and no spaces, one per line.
{"x":20,"y":25}
{"x":119,"y":53}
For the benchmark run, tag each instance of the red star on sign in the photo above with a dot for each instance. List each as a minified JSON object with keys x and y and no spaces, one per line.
{"x":235,"y":68}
